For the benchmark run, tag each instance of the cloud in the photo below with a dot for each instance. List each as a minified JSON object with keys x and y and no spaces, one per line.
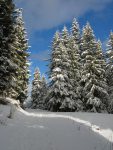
{"x":46,"y":14}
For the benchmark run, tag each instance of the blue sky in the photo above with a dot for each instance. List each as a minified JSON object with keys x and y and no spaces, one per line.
{"x":43,"y":17}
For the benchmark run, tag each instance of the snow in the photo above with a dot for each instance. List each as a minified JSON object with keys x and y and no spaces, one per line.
{"x":41,"y":130}
{"x":57,"y":69}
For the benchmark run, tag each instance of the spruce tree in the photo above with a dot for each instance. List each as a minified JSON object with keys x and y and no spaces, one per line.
{"x":65,"y":37}
{"x":36,"y":86}
{"x":75,"y":32}
{"x":43,"y":93}
{"x":7,"y":50}
{"x":54,"y":61}
{"x":75,"y":58}
{"x":93,"y":80}
{"x":55,"y":43}
{"x":109,"y":71}
{"x":60,"y":93}
{"x":39,"y":91}
{"x":13,"y":56}
{"x":21,"y":59}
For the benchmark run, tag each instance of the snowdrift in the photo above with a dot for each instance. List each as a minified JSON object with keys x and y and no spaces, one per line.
{"x":30,"y":130}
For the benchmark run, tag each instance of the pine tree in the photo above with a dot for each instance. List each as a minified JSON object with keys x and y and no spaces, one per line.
{"x":65,"y":37}
{"x":13,"y":56}
{"x":109,"y":71}
{"x":39,"y":91}
{"x":36,"y":86}
{"x":60,"y":93}
{"x":75,"y":32}
{"x":7,"y":50}
{"x":43,"y":94}
{"x":21,"y":57}
{"x":54,"y":61}
{"x":55,"y":43}
{"x":75,"y":70}
{"x":93,"y":74}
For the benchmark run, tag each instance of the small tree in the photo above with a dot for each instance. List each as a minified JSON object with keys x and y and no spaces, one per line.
{"x":43,"y":93}
{"x":39,"y":91}
{"x":36,"y":87}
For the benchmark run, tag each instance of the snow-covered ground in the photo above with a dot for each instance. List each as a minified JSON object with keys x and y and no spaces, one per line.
{"x":40,"y":130}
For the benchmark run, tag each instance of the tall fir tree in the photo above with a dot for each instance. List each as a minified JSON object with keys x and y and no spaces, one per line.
{"x":7,"y":50}
{"x":53,"y":62}
{"x":21,"y":57}
{"x":75,"y":58}
{"x":60,"y":93}
{"x":13,"y":55}
{"x":55,"y":43}
{"x":93,"y":74}
{"x":109,"y":71}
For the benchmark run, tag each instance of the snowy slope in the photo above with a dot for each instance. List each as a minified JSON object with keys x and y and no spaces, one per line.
{"x":55,"y":131}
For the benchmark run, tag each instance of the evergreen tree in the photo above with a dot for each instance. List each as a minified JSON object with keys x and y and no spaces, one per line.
{"x":43,"y":93}
{"x":53,"y":62}
{"x":93,"y":80}
{"x":75,"y":69}
{"x":21,"y":59}
{"x":60,"y":93}
{"x":13,"y":56}
{"x":75,"y":32}
{"x":109,"y":71}
{"x":36,"y":86}
{"x":39,"y":91}
{"x":65,"y":37}
{"x":7,"y":50}
{"x":55,"y":43}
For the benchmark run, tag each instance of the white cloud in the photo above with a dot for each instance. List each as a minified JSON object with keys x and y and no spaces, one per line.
{"x":46,"y":14}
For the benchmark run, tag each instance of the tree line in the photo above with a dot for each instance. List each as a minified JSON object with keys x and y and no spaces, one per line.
{"x":80,"y":73}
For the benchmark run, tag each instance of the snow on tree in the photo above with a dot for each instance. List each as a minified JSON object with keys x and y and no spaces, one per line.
{"x":109,"y":71}
{"x":21,"y":58}
{"x":75,"y":69}
{"x":7,"y":50}
{"x":43,"y":93}
{"x":35,"y":93}
{"x":54,"y":64}
{"x":65,"y":37}
{"x":39,"y":91}
{"x":75,"y":32}
{"x":13,"y":55}
{"x":60,"y":94}
{"x":93,"y":81}
{"x":55,"y":43}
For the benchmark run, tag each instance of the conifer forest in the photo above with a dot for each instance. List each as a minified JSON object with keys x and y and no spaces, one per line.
{"x":80,"y":71}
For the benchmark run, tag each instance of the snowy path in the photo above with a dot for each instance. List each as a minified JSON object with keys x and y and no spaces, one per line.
{"x":53,"y":131}
{"x":106,"y":133}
